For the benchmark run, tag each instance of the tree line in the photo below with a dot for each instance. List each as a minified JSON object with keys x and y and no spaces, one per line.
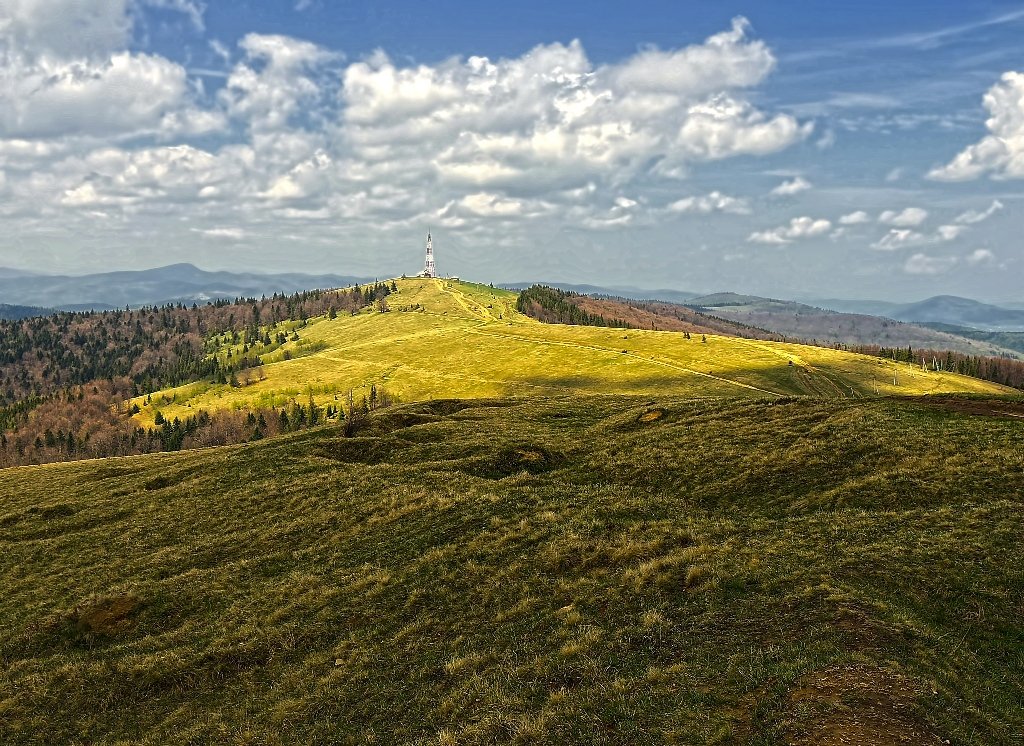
{"x":1001,"y":370}
{"x":554,"y":306}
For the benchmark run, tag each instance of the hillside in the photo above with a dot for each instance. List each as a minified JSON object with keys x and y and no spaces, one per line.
{"x":599,"y":570}
{"x":799,"y":321}
{"x":1007,"y":340}
{"x":445,"y":339}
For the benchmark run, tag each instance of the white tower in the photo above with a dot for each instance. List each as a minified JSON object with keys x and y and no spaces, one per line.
{"x":428,"y":268}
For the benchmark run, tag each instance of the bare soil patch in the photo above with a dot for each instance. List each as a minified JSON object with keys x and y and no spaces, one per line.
{"x":860,"y":705}
{"x":107,"y":615}
{"x":978,"y":407}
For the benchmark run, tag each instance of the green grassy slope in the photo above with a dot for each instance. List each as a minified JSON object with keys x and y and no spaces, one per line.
{"x":600,"y":570}
{"x":456,"y":339}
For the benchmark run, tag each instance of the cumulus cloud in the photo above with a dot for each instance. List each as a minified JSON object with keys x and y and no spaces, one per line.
{"x":802,"y":227}
{"x":974,"y":216}
{"x":66,"y":73}
{"x":922,"y":264}
{"x":726,"y":60}
{"x":910,"y":217}
{"x":274,"y":81}
{"x":980,"y":256}
{"x":64,"y":29}
{"x":711,"y":202}
{"x":791,"y":187}
{"x":550,"y":118}
{"x":1000,"y":153}
{"x":855,"y":218}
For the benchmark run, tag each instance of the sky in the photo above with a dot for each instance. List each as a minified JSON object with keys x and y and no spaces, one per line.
{"x":786,"y":148}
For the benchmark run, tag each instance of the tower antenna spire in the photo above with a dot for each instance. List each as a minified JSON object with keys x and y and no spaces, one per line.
{"x":429,"y":270}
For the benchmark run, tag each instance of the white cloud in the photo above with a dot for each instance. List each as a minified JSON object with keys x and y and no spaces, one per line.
{"x":551,"y":119}
{"x":1000,"y":153}
{"x":980,"y":256}
{"x":64,"y":29}
{"x":922,"y":264}
{"x":949,"y":232}
{"x":855,"y":218}
{"x":126,"y":93}
{"x":492,"y":205}
{"x":802,"y":227}
{"x":900,"y":238}
{"x":273,"y":84}
{"x":974,"y":216}
{"x":910,"y":217}
{"x":827,"y":140}
{"x":66,"y":72}
{"x":724,"y":61}
{"x":711,"y":202}
{"x":791,"y":187}
{"x":232,"y":234}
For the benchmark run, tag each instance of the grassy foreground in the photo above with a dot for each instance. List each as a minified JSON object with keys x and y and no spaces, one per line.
{"x":445,"y":339}
{"x":607,"y":570}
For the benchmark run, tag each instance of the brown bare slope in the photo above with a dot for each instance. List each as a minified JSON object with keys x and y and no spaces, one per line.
{"x":669,"y":317}
{"x":799,"y":321}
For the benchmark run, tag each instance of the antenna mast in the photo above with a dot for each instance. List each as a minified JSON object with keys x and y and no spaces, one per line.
{"x":428,"y":268}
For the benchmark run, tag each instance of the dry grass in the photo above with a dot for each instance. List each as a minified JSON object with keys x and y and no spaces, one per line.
{"x":698,"y":578}
{"x":460,"y":340}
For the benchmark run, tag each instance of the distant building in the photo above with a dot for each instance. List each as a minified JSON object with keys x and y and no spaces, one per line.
{"x":429,"y":270}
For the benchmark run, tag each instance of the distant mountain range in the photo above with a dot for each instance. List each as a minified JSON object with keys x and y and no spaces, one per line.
{"x":801,"y":321}
{"x":942,"y":309}
{"x":183,"y":283}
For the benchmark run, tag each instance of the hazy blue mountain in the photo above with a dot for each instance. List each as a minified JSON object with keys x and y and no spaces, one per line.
{"x":10,"y":312}
{"x":178,"y":283}
{"x":868,"y":307}
{"x":735,"y":299}
{"x":950,"y":309}
{"x":943,"y":309}
{"x":9,"y":272}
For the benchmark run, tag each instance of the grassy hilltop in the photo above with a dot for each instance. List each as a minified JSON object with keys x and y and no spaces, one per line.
{"x":600,"y":570}
{"x":445,"y":339}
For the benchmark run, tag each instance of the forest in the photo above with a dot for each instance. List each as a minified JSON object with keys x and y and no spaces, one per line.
{"x":64,"y":378}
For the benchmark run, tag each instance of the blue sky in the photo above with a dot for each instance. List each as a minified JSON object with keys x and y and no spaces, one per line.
{"x":790,"y":149}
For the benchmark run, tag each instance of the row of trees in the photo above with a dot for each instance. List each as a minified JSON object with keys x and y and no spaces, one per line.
{"x":1000,"y":370}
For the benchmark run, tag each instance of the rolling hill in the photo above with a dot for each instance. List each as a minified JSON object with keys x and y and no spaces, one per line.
{"x":600,"y":570}
{"x":800,"y":321}
{"x":443,"y":339}
{"x":944,"y":309}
